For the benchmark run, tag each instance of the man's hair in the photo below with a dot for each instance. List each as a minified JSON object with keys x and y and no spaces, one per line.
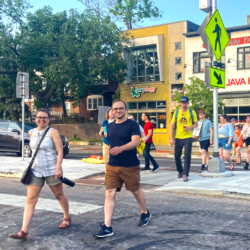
{"x":107,"y":113}
{"x":115,"y":101}
{"x":224,"y":116}
{"x":148,"y":115}
{"x":45,"y":111}
{"x":132,"y":115}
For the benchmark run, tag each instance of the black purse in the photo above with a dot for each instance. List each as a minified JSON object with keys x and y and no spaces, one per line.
{"x":27,"y":174}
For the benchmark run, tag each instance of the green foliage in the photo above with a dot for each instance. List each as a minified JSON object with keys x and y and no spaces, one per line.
{"x":134,"y":11}
{"x":200,"y":97}
{"x":74,"y":138}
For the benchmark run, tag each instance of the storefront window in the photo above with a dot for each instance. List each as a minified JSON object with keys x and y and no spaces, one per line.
{"x":151,"y":105}
{"x":231,"y":110}
{"x":147,"y":105}
{"x":244,"y":110}
{"x":145,"y":66}
{"x":142,"y":105}
{"x":132,"y":105}
{"x":243,"y":58}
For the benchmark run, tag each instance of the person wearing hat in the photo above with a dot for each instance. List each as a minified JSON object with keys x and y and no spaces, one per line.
{"x":185,"y":120}
{"x":206,"y":139}
{"x":233,"y":121}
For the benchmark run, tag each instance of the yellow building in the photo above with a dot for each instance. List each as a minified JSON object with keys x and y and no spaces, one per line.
{"x":155,"y":71}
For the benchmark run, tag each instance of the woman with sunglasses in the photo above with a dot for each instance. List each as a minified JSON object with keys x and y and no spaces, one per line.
{"x":225,"y":134}
{"x":46,"y":167}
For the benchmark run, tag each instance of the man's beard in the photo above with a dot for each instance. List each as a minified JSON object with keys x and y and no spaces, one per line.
{"x":120,"y":118}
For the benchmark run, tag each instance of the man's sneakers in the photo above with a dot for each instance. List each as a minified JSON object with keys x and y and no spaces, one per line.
{"x":185,"y":178}
{"x":144,"y":219}
{"x":146,"y":169}
{"x":202,"y":168}
{"x":180,"y":175}
{"x":155,"y":169}
{"x":104,"y":232}
{"x":246,"y":166}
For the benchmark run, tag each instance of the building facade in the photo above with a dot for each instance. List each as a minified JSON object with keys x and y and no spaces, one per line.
{"x":236,"y":95}
{"x":155,"y":69}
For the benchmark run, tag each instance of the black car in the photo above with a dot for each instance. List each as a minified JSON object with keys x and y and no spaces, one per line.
{"x":11,"y":138}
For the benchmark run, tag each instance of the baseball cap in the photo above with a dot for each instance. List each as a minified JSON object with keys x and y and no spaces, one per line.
{"x":233,"y":120}
{"x":202,"y":111}
{"x":184,"y":99}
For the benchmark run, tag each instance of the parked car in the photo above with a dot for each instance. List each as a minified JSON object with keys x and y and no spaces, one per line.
{"x":11,"y":138}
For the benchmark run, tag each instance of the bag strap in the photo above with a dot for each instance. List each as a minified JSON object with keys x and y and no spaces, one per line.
{"x":191,"y":115}
{"x":34,"y":156}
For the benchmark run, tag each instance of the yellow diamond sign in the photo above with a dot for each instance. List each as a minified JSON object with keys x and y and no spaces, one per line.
{"x":217,"y":78}
{"x":217,"y":34}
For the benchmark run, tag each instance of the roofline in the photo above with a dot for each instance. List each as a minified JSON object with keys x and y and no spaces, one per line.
{"x":231,"y":29}
{"x":160,"y":25}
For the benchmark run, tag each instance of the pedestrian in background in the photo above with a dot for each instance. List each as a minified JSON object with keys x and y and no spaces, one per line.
{"x":237,"y":146}
{"x":185,"y":120}
{"x":103,"y":131}
{"x":206,"y":139}
{"x":148,"y":130}
{"x":233,"y":122}
{"x":225,"y":134}
{"x":123,"y":167}
{"x":131,"y":117}
{"x":46,"y":167}
{"x":245,"y":134}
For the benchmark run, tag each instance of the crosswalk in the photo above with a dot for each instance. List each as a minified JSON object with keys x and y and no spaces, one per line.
{"x":47,"y":204}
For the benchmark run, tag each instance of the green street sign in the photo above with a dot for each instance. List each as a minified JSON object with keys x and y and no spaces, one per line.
{"x":217,"y":35}
{"x":217,"y":78}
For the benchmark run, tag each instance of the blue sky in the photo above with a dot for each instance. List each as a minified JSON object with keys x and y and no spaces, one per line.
{"x":233,"y":12}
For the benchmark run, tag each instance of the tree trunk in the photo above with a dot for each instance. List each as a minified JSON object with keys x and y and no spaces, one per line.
{"x":65,"y":115}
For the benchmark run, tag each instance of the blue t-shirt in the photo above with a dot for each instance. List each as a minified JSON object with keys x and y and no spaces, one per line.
{"x":105,"y":124}
{"x":120,"y":134}
{"x":205,"y":129}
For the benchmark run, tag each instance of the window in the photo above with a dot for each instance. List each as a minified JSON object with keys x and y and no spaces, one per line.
{"x":199,"y":59}
{"x":145,"y":66}
{"x":147,"y":105}
{"x":178,"y":88}
{"x":178,"y":76}
{"x":94,"y":101}
{"x":33,"y":108}
{"x":177,"y":60}
{"x":3,"y":127}
{"x":244,"y":110}
{"x":67,"y":106}
{"x":231,"y":110}
{"x":158,"y":119}
{"x":178,"y":46}
{"x":243,"y":58}
{"x":12,"y":126}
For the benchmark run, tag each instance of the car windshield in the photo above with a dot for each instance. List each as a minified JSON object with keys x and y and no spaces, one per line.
{"x":28,"y":127}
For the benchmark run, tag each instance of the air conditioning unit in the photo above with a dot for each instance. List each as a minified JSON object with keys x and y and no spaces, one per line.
{"x":205,"y":5}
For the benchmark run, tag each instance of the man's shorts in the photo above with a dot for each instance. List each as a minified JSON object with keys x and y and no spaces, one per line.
{"x":223,"y":143}
{"x":247,"y":141}
{"x":39,"y":181}
{"x":116,"y":176}
{"x":205,"y":144}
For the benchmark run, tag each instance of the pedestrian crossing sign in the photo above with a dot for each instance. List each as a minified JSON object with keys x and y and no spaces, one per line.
{"x":217,"y":78}
{"x":217,"y":35}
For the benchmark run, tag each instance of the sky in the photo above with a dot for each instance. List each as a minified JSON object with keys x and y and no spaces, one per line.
{"x":233,"y":12}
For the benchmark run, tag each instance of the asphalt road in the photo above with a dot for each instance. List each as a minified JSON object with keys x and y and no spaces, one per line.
{"x":179,"y":222}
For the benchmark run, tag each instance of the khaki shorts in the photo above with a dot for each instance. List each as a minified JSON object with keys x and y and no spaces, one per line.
{"x":116,"y":176}
{"x":105,"y":150}
{"x":39,"y":181}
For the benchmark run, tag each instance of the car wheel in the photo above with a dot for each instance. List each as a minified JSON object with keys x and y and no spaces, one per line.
{"x":27,"y":150}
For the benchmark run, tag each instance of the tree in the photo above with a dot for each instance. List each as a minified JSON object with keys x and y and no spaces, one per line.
{"x":129,"y":12}
{"x":200,"y":97}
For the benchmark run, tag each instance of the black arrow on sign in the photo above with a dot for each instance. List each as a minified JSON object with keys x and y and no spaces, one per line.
{"x":218,"y":77}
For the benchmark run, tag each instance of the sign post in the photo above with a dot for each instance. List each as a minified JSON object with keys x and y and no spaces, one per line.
{"x":22,"y":91}
{"x":218,"y":39}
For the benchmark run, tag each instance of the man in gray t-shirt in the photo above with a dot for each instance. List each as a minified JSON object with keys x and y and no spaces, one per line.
{"x":206,"y":139}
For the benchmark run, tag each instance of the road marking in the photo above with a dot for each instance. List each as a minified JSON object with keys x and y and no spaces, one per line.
{"x":47,"y":204}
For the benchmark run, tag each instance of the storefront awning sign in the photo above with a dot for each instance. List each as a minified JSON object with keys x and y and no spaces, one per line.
{"x":136,"y":92}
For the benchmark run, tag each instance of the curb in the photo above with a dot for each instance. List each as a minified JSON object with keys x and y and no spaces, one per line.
{"x":85,"y":143}
{"x":11,"y":175}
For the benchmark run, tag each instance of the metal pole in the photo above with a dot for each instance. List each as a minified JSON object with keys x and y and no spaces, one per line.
{"x":23,"y":109}
{"x":215,"y":97}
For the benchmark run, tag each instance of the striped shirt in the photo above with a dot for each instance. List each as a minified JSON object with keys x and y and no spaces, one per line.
{"x":46,"y":158}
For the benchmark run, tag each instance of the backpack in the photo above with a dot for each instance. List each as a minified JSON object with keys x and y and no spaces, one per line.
{"x":191,"y":115}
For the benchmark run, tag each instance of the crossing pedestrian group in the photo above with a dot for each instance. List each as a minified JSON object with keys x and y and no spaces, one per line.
{"x":121,"y":136}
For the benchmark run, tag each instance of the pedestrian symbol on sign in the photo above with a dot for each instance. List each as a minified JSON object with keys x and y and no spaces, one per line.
{"x":218,"y":33}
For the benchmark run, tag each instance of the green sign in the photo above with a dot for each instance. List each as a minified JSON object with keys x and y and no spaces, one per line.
{"x":217,"y":78}
{"x":217,"y":34}
{"x":136,"y":92}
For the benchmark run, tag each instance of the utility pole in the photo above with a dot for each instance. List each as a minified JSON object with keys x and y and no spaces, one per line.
{"x":22,"y":80}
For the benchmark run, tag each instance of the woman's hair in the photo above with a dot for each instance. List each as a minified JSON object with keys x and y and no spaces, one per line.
{"x":45,"y":111}
{"x":238,"y":126}
{"x":107,"y":113}
{"x":247,"y":116}
{"x":224,"y":116}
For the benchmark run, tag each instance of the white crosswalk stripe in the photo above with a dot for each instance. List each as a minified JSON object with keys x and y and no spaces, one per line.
{"x":47,"y":204}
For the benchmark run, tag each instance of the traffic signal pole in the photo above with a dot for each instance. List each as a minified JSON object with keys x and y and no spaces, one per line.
{"x":22,"y":76}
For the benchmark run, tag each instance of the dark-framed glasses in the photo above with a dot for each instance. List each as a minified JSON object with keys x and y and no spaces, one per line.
{"x":42,"y":118}
{"x":117,"y":109}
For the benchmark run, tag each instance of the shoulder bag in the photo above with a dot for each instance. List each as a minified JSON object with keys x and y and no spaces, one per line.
{"x":27,"y":174}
